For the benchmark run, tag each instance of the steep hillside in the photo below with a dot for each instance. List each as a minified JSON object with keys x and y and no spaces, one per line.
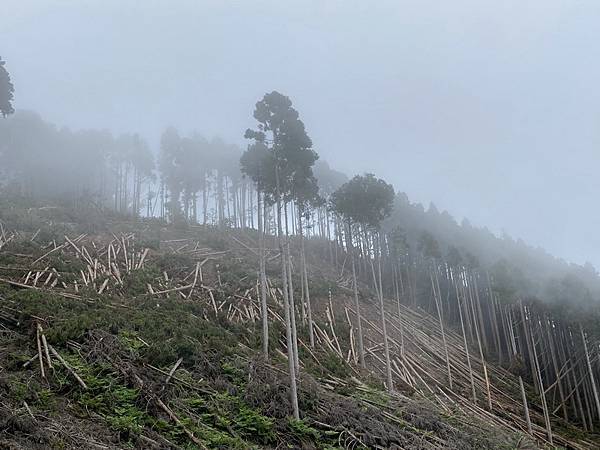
{"x":139,"y":335}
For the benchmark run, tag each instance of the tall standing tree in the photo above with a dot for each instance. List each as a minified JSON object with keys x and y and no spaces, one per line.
{"x":290,"y":148}
{"x":171,"y":165}
{"x":430,"y":250}
{"x":365,"y":201}
{"x":257,"y":163}
{"x":142,"y":161}
{"x":307,"y":198}
{"x":329,"y":180}
{"x":398,"y":248}
{"x":6,"y":91}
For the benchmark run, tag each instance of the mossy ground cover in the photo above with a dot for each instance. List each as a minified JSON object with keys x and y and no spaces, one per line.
{"x":147,"y":334}
{"x":223,"y":393}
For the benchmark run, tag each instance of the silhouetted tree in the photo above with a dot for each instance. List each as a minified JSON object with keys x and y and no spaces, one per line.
{"x":365,"y":201}
{"x":171,"y":166}
{"x":6,"y":91}
{"x":292,"y":157}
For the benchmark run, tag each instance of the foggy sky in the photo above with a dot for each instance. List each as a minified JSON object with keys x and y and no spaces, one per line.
{"x":490,"y":109}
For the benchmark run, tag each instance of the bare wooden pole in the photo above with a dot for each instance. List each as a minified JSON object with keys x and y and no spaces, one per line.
{"x":396,"y":274}
{"x":494,"y":319}
{"x":39,"y":348}
{"x":525,"y":406}
{"x":437,"y":297}
{"x":311,"y":332}
{"x":462,"y":327}
{"x":554,"y":358}
{"x":361,"y":348}
{"x":291,"y":293}
{"x":591,"y":372}
{"x":262,"y":277}
{"x":286,"y":307}
{"x":537,"y":373}
{"x":386,"y":346}
{"x":513,"y":350}
{"x":481,"y":355}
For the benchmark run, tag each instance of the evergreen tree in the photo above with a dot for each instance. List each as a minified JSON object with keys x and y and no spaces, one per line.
{"x":6,"y":91}
{"x":291,"y":157}
{"x":365,"y":201}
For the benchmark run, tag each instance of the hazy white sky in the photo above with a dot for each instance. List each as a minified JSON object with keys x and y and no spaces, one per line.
{"x":490,"y":109}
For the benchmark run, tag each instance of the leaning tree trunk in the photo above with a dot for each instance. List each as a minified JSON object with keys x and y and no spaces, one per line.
{"x":513,"y":350}
{"x":386,"y":346}
{"x":397,"y":291}
{"x":438,"y":303}
{"x":361,"y":349}
{"x":311,"y":333}
{"x":589,"y":365}
{"x":481,"y":355}
{"x":464,"y":334}
{"x":537,"y":372}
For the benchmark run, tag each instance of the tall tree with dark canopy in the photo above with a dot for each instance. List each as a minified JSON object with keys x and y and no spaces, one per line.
{"x":6,"y":91}
{"x":365,"y":201}
{"x":291,"y":157}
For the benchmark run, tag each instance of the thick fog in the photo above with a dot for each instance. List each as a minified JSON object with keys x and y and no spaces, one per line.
{"x":489,"y":109}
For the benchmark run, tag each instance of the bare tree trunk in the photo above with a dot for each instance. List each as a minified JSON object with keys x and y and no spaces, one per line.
{"x":400,"y":325}
{"x":311,"y":332}
{"x":263,"y":278}
{"x":591,"y":372}
{"x":361,"y":349}
{"x":438,"y":304}
{"x":485,"y":371}
{"x":291,"y":294}
{"x":537,"y":373}
{"x":482,"y":328}
{"x":525,"y":406}
{"x":556,"y":370}
{"x":205,"y":198}
{"x":220,"y":200}
{"x":462,"y":327}
{"x":328,"y":228}
{"x":513,"y":352}
{"x":386,"y":346}
{"x":286,"y":306}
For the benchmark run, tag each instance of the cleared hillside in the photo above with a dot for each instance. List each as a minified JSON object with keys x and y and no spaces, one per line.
{"x":149,"y":337}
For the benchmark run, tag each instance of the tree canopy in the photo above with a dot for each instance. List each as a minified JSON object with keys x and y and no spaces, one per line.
{"x":6,"y":91}
{"x":291,"y":156}
{"x":364,"y":199}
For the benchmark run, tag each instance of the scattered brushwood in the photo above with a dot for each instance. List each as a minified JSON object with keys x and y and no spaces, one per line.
{"x":5,"y":237}
{"x":77,"y":266}
{"x":174,"y":329}
{"x":213,"y":393}
{"x":419,"y":361}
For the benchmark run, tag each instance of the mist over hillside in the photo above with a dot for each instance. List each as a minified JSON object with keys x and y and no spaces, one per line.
{"x":311,"y":225}
{"x":124,"y":173}
{"x":489,"y":110}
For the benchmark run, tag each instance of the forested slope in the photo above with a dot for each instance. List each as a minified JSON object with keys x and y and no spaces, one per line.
{"x":206,"y":297}
{"x":149,"y":336}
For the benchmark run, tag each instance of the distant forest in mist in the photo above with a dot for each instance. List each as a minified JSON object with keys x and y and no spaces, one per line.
{"x":194,"y":179}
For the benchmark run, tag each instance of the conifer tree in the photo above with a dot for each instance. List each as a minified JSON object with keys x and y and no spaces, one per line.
{"x":365,"y":201}
{"x":291,"y":159}
{"x":6,"y":91}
